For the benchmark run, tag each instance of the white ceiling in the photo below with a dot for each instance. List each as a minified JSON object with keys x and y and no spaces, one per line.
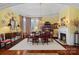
{"x":37,"y":9}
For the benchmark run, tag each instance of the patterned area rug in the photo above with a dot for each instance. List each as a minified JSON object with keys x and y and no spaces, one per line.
{"x":24,"y":45}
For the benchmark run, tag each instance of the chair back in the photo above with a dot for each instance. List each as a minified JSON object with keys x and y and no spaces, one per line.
{"x":1,"y":37}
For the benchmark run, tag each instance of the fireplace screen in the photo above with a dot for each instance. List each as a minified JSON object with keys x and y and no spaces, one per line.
{"x":63,"y":37}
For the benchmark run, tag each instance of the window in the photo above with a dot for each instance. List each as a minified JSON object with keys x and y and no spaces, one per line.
{"x":34,"y":24}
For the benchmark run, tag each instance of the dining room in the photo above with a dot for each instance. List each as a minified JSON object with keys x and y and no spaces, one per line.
{"x":44,"y":27}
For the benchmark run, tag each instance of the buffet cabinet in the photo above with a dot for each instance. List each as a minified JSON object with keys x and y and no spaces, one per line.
{"x":9,"y":38}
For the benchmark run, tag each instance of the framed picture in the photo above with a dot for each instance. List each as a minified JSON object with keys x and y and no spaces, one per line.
{"x":13,"y":23}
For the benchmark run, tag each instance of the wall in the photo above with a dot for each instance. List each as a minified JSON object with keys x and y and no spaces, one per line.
{"x":49,"y":19}
{"x":5,"y":16}
{"x":71,"y":14}
{"x":52,"y":20}
{"x":74,"y":15}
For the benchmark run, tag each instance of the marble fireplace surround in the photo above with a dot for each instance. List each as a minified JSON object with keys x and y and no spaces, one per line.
{"x":69,"y":36}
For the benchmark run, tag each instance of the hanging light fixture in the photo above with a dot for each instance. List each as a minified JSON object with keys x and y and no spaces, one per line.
{"x":40,"y":11}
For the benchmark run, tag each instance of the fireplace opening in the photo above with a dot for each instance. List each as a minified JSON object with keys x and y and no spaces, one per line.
{"x":63,"y":37}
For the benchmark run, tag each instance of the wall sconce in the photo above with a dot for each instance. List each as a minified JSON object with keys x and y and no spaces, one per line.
{"x":9,"y":24}
{"x":17,"y":25}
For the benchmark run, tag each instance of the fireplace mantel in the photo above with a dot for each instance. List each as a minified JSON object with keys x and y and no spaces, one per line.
{"x":63,"y":29}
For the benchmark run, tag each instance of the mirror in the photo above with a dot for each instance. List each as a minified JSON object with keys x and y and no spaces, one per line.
{"x":13,"y":23}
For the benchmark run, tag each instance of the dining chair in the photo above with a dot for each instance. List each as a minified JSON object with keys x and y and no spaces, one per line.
{"x":5,"y":41}
{"x":44,"y":38}
{"x":29,"y":37}
{"x":35,"y":38}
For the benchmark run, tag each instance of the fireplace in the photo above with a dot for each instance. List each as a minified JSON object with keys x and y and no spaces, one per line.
{"x":63,"y":37}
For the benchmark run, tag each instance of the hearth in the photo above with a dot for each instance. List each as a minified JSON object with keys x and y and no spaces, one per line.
{"x":63,"y":37}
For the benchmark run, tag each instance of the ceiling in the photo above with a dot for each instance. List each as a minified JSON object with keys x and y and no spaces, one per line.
{"x":37,"y":9}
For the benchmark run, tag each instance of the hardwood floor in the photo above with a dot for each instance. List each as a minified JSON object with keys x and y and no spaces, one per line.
{"x":40,"y":52}
{"x":71,"y":50}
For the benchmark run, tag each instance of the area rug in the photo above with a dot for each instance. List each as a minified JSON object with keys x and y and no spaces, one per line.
{"x":24,"y":45}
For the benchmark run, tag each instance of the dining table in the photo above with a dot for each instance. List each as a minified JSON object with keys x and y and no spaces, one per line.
{"x":39,"y":37}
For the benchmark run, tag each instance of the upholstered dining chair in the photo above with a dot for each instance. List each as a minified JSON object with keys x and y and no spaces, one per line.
{"x":13,"y":37}
{"x":44,"y":38}
{"x":51,"y":36}
{"x":29,"y":37}
{"x":5,"y":41}
{"x":35,"y":38}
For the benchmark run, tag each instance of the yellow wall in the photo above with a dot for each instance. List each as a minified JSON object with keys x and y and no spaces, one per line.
{"x":50,"y":19}
{"x":6,"y":15}
{"x":71,"y":13}
{"x":74,"y":15}
{"x":64,"y":13}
